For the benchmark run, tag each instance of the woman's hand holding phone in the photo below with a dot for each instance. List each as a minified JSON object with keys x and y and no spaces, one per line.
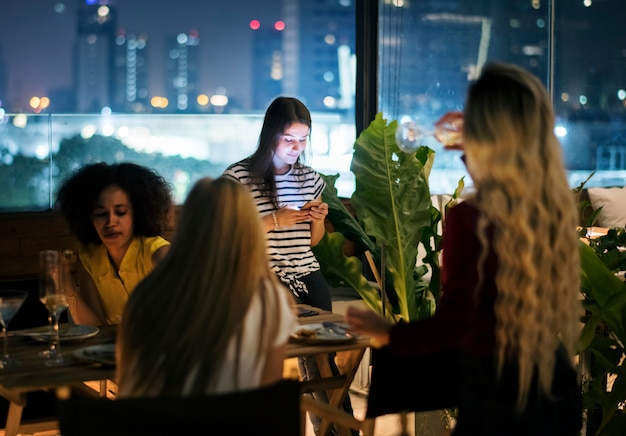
{"x":309,"y":204}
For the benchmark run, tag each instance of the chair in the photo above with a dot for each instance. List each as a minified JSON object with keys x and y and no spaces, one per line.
{"x":337,"y":416}
{"x":272,"y":409}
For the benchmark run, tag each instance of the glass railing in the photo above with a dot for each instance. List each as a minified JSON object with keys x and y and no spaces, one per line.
{"x":38,"y":151}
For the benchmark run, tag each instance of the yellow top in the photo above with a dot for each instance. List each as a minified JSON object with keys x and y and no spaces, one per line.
{"x":113,"y":286}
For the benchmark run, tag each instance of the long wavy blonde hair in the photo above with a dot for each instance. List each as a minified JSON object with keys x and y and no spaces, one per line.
{"x":515,"y":161}
{"x":181,"y":317}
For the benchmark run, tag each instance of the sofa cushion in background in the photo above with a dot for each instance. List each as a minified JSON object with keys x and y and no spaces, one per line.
{"x":613,"y":203}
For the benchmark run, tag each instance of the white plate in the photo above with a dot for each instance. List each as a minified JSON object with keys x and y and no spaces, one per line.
{"x":67,"y":332}
{"x":319,"y":334}
{"x":103,"y":353}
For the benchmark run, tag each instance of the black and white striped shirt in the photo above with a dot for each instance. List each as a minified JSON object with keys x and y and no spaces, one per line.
{"x":289,"y":248}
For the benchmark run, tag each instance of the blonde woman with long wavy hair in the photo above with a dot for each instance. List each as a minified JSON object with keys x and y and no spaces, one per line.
{"x":212,"y":317}
{"x":510,"y":300}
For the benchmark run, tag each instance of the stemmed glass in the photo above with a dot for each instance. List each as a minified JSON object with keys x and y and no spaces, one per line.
{"x":10,"y":303}
{"x":54,"y":276}
{"x":48,"y":266}
{"x":448,"y":130}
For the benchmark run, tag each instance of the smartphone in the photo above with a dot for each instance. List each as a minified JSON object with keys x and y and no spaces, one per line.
{"x":310,"y":204}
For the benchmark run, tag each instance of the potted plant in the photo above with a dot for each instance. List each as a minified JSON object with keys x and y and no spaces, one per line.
{"x":392,"y":210}
{"x":603,"y":337}
{"x":602,"y":344}
{"x":393,"y":217}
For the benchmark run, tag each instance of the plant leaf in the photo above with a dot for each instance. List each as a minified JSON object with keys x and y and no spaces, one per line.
{"x":392,"y":201}
{"x":342,"y":270}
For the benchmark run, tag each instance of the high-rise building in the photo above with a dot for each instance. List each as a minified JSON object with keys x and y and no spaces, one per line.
{"x":310,"y":54}
{"x":131,"y":73}
{"x":95,"y":45}
{"x":325,"y":52}
{"x":4,"y":80}
{"x":268,"y":65}
{"x":182,"y":73}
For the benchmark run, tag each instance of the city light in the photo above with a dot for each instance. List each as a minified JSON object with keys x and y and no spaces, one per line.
{"x":219,"y":100}
{"x":20,"y":121}
{"x":39,"y":104}
{"x":88,"y":131}
{"x":203,"y":99}
{"x":330,"y":102}
{"x":560,"y":131}
{"x":159,"y":102}
{"x":255,"y":24}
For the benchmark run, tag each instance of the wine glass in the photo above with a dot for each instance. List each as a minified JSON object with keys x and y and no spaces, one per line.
{"x":448,"y":130}
{"x":10,"y":303}
{"x":410,"y":135}
{"x":53,"y":281}
{"x":48,"y":265}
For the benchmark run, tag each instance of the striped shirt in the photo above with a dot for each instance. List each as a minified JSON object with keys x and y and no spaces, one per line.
{"x":289,"y":248}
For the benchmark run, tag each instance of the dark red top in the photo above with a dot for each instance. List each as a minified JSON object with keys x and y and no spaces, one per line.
{"x":464,"y":318}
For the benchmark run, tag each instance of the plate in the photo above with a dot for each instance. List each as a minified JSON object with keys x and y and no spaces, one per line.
{"x":321,"y":334}
{"x":103,"y":353}
{"x":67,"y":332}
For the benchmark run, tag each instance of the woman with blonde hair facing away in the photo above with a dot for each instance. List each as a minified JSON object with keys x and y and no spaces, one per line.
{"x":510,"y":301}
{"x":212,"y":316}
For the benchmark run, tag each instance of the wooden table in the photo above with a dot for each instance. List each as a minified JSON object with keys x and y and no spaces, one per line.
{"x":349,"y":357}
{"x":33,"y":375}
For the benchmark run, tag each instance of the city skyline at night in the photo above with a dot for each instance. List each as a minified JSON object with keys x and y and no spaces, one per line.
{"x":46,"y":30}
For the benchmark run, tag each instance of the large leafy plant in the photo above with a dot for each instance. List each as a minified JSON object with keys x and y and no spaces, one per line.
{"x":392,"y":210}
{"x":602,"y":345}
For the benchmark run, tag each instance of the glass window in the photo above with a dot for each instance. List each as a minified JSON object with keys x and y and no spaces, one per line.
{"x":429,"y":51}
{"x":590,"y":89}
{"x":182,"y":85}
{"x":179,"y":85}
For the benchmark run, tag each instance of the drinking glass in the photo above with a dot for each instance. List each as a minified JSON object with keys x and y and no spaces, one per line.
{"x":48,"y":265}
{"x":448,"y":130}
{"x":54,"y":276}
{"x":10,"y":303}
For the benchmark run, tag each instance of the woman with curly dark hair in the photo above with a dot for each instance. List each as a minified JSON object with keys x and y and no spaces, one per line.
{"x":118,"y":213}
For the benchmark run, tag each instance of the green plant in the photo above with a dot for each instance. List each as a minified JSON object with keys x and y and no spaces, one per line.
{"x":610,"y":249}
{"x":603,"y":338}
{"x":588,"y":216}
{"x":392,"y":209}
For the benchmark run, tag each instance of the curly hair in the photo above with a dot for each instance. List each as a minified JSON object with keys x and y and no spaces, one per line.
{"x":148,"y":192}
{"x":515,"y":161}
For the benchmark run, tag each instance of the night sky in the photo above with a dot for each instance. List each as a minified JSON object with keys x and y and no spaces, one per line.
{"x":37,"y":39}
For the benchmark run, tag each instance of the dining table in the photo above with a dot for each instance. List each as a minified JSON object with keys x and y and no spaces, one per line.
{"x":32,"y":374}
{"x":349,"y":355}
